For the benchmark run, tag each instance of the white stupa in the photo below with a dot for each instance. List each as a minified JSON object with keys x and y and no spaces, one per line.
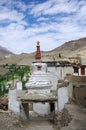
{"x":40,"y":84}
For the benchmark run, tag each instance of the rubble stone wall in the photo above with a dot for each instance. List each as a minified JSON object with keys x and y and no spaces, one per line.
{"x":77,"y":90}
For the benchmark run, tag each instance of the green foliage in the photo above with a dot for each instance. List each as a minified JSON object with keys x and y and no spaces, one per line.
{"x":15,"y":72}
{"x":3,"y":89}
{"x":23,"y":84}
{"x":60,"y":55}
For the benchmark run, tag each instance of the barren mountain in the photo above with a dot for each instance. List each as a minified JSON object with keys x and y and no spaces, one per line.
{"x":72,"y":45}
{"x":19,"y":59}
{"x":72,"y":48}
{"x":4,"y":52}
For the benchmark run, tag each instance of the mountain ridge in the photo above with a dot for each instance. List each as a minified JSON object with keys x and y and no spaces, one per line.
{"x":72,"y":45}
{"x":4,"y":52}
{"x":68,"y":49}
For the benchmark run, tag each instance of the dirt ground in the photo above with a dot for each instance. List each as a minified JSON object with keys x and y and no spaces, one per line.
{"x":73,"y":117}
{"x":78,"y":114}
{"x":12,"y":122}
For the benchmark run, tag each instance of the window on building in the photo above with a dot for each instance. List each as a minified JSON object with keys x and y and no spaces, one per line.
{"x":82,"y":70}
{"x":75,"y":70}
{"x":52,"y":107}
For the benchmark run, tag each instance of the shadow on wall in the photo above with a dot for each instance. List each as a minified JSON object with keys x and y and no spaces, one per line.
{"x":79,"y":95}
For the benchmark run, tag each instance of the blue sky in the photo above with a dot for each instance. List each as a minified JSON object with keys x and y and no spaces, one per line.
{"x":52,"y":22}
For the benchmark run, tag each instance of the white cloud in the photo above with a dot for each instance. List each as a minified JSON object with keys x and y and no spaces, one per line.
{"x":42,"y":19}
{"x":55,"y":22}
{"x":54,"y":7}
{"x":39,"y":8}
{"x":19,"y":40}
{"x":20,"y":5}
{"x":11,"y":15}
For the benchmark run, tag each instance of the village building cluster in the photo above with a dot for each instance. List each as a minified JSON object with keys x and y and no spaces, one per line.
{"x":50,"y":86}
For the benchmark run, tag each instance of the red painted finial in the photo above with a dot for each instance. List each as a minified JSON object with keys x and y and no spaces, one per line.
{"x":38,"y":53}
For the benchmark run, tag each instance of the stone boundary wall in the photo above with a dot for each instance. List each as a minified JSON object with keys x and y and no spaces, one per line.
{"x":78,"y":79}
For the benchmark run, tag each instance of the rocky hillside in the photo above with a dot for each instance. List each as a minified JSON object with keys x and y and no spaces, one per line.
{"x":21,"y":59}
{"x":72,"y":48}
{"x":4,"y":52}
{"x":72,"y":45}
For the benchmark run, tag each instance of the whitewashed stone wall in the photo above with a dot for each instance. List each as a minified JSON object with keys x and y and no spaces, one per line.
{"x":53,"y":77}
{"x":42,"y":109}
{"x":60,"y":72}
{"x":13,"y":104}
{"x":39,"y":91}
{"x":63,"y":93}
{"x":62,"y":97}
{"x":19,"y":85}
{"x":64,"y":70}
{"x":34,"y":67}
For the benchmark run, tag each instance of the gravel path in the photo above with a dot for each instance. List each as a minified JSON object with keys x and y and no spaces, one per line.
{"x":11,"y":122}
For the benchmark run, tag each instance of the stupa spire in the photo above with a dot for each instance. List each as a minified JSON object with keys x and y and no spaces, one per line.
{"x":38,"y":53}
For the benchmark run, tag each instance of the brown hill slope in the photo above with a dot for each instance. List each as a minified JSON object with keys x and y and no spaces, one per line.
{"x":4,"y":52}
{"x":72,"y":48}
{"x":19,"y":59}
{"x":72,"y":45}
{"x":68,"y":49}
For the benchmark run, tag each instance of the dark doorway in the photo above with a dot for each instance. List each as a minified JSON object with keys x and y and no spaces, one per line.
{"x":52,"y":107}
{"x":75,"y":69}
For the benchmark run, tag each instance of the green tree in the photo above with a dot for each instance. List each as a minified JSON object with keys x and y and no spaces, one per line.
{"x":60,"y":56}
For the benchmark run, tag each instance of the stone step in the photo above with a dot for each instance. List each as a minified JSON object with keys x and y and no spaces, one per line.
{"x":67,"y":128}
